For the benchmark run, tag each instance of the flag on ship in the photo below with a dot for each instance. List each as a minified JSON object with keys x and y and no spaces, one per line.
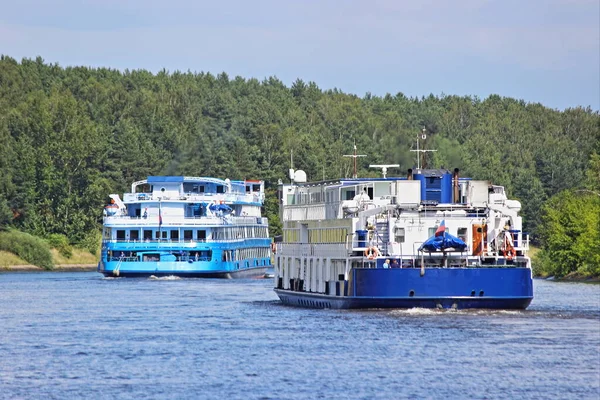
{"x":441,"y":229}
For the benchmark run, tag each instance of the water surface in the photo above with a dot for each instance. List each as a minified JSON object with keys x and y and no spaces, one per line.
{"x":79,"y":335}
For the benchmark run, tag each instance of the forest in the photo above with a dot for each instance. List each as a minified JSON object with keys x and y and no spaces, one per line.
{"x":70,"y":136}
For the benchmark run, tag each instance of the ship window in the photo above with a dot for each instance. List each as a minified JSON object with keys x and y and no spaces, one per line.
{"x":220,"y":189}
{"x":432,"y":230}
{"x":134,"y":235}
{"x":190,"y":188}
{"x":350,"y":195}
{"x":107,"y":232}
{"x":201,"y":235}
{"x":120,"y":234}
{"x":248,"y":188}
{"x":256,"y":188}
{"x":164,"y":234}
{"x":201,"y":189}
{"x":151,"y":257}
{"x":399,"y":235}
{"x":175,"y":235}
{"x":187,"y":234}
{"x":462,"y":234}
{"x":147,"y":234}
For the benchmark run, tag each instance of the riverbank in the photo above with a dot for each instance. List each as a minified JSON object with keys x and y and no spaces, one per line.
{"x":575,"y":277}
{"x":57,"y":268}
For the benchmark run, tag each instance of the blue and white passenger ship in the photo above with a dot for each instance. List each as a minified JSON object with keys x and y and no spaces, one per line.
{"x":188,"y":227}
{"x":429,"y":239}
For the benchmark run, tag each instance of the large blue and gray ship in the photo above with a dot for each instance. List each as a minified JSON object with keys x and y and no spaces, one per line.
{"x":430,"y":238}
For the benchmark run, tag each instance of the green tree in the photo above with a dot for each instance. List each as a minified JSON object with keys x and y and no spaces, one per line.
{"x":571,"y":234}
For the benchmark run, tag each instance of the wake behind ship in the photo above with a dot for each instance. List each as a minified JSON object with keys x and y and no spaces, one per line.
{"x":428,"y":239}
{"x":188,"y":227}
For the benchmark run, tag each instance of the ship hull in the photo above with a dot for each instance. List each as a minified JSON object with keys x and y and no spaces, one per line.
{"x":458,"y":288}
{"x":143,"y":271}
{"x":312,"y":300}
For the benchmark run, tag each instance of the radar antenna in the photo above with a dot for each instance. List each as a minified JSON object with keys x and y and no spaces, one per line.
{"x":384,"y":167}
{"x":355,"y":156}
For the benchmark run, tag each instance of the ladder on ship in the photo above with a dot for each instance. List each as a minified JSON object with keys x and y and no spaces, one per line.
{"x":382,"y":236}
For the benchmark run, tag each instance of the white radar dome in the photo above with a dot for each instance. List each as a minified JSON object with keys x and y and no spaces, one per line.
{"x":300,"y":176}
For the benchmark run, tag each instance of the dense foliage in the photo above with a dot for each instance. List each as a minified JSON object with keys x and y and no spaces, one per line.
{"x":30,"y":248}
{"x":60,"y":243}
{"x":571,"y":230}
{"x":70,"y":136}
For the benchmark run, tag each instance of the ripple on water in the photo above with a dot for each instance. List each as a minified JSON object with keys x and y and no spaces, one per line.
{"x":85,"y":336}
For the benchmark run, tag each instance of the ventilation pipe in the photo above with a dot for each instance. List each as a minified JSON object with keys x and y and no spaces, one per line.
{"x":455,"y":183}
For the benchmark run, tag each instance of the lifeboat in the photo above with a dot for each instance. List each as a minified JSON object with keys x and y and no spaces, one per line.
{"x":111,"y":209}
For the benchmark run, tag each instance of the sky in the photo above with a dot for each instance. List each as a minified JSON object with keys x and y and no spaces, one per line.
{"x":540,"y":51}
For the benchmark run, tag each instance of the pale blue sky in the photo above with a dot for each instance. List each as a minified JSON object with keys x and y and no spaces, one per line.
{"x":545,"y":51}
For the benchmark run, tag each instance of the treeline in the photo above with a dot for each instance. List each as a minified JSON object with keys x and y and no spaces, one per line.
{"x":70,"y":136}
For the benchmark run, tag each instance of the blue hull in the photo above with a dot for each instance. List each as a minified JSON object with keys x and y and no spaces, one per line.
{"x":496,"y":288}
{"x":184,"y":270}
{"x":259,"y":272}
{"x":312,"y":300}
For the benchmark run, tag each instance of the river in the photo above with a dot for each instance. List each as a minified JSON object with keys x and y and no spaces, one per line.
{"x":77,"y":335}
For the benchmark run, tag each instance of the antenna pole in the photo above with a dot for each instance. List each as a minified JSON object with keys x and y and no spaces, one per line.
{"x":421,"y":152}
{"x":354,"y":156}
{"x":418,"y":155}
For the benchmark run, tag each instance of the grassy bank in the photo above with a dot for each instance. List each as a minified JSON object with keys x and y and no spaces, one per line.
{"x":22,"y":251}
{"x":9,"y":259}
{"x":79,"y":256}
{"x":80,"y":259}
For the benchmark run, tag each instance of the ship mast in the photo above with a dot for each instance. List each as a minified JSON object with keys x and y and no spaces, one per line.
{"x":421,"y":152}
{"x":354,"y":156}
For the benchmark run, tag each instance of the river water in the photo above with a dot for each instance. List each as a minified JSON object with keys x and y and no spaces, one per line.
{"x":81,"y":336}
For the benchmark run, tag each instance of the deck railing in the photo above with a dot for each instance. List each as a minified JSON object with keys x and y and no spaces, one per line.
{"x":139,"y":243}
{"x":196,"y":198}
{"x":333,"y":250}
{"x":152,"y":220}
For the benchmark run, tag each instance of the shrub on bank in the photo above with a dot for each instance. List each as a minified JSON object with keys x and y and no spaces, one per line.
{"x":91,"y":242}
{"x":32,"y":249}
{"x":61,"y":243}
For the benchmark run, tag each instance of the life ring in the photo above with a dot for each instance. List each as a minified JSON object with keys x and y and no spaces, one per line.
{"x":508,"y":250}
{"x":509,"y":253}
{"x":371,"y":252}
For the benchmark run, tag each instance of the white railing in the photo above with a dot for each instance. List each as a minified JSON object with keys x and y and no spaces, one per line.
{"x":305,"y":212}
{"x":151,"y":243}
{"x":332,"y":250}
{"x":125,"y":220}
{"x":196,"y":198}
